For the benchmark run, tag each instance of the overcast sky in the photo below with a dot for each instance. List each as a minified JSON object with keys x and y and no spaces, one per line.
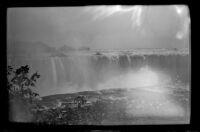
{"x":102,"y":27}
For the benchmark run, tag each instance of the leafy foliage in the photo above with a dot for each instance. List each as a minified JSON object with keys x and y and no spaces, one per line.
{"x":21,"y":94}
{"x":20,"y":83}
{"x":20,"y":86}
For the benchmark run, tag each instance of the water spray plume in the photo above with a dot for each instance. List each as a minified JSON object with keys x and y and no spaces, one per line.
{"x":152,"y":98}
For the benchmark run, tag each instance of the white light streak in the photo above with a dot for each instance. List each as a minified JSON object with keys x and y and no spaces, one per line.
{"x":102,"y":12}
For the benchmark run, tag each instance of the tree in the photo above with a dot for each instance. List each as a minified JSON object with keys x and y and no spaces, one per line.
{"x":20,"y":83}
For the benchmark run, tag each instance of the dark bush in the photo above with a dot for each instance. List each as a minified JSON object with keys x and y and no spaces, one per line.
{"x":21,"y":95}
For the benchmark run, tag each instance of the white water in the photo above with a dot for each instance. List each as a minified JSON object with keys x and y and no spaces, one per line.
{"x":53,"y":64}
{"x":150,"y":103}
{"x":150,"y":97}
{"x":96,"y":72}
{"x":62,"y":66}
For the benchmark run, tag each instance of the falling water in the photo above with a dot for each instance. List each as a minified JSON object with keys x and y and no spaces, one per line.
{"x":129,"y":59}
{"x":53,"y":63}
{"x":62,"y":66}
{"x":146,"y":75}
{"x":92,"y":70}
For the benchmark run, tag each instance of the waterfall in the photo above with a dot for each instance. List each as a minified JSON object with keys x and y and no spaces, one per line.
{"x":54,"y":70}
{"x":129,"y":59}
{"x":62,"y":66}
{"x":115,"y":59}
{"x":92,"y":70}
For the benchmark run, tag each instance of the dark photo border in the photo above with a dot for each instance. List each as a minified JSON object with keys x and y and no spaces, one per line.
{"x":6,"y":125}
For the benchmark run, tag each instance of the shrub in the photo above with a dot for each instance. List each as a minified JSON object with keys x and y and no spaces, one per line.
{"x":20,"y":89}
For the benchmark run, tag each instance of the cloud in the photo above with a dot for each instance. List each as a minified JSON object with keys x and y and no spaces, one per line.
{"x":102,"y":12}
